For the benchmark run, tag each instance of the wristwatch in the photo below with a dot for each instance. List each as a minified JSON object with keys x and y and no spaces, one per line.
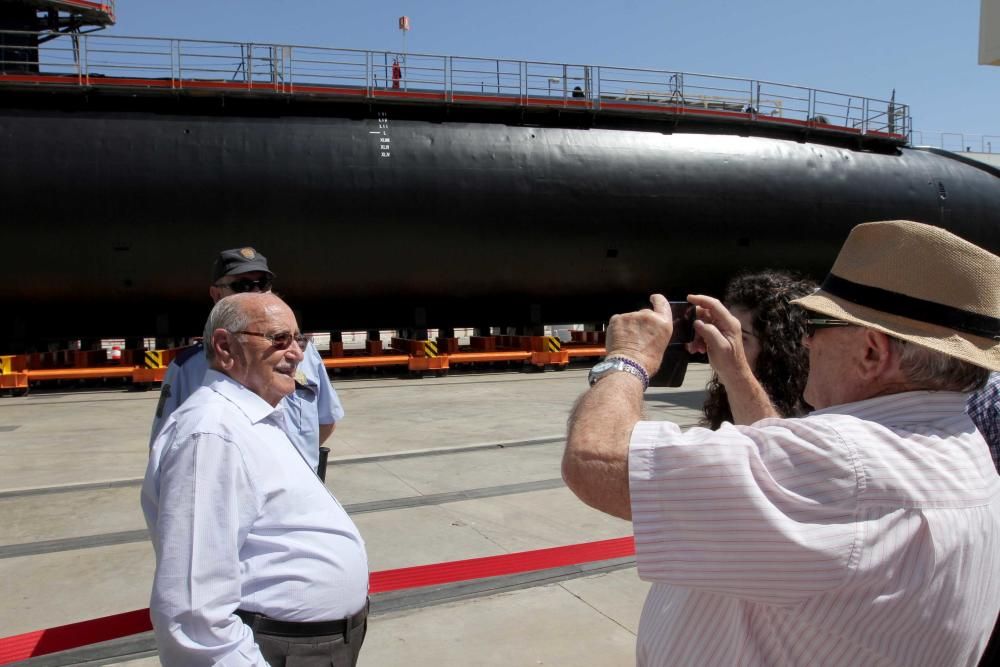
{"x":614,"y":365}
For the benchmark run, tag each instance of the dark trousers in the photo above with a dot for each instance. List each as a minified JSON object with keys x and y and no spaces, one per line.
{"x":992,"y":654}
{"x":322,"y":651}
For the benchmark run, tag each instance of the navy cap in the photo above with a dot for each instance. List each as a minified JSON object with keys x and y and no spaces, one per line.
{"x":237,"y":261}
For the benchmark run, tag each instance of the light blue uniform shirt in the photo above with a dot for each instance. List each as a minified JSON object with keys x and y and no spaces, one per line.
{"x":314,"y":402}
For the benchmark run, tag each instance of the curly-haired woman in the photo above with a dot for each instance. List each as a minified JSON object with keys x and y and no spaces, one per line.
{"x":772,"y":341}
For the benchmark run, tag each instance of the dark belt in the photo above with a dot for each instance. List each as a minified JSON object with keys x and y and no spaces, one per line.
{"x":269,"y":626}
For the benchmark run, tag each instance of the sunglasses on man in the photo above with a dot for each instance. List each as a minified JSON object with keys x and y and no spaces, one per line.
{"x":280,"y":341}
{"x":248,"y":285}
{"x":814,"y":324}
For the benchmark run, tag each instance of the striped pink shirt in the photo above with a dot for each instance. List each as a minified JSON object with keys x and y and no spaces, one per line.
{"x":867,"y":534}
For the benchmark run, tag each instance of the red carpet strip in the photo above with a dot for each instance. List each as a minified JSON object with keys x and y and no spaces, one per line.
{"x":84,"y":633}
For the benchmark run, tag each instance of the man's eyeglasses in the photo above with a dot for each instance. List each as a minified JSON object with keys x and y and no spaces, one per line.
{"x":813,"y":324}
{"x":281,"y":341}
{"x":247,"y":285}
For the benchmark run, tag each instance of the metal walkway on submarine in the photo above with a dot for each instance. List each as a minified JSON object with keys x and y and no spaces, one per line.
{"x":148,"y":65}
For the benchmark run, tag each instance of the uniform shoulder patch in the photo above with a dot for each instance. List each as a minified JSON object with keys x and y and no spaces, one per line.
{"x":164,"y":395}
{"x":189,"y":352}
{"x":302,"y":382}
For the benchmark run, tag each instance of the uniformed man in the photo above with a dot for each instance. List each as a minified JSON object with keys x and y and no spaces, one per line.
{"x":312,"y":410}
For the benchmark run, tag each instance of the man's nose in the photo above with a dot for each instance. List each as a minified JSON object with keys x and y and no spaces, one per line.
{"x":298,"y":352}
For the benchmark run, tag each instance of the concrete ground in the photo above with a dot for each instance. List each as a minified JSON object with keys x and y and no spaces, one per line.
{"x":432,"y":470}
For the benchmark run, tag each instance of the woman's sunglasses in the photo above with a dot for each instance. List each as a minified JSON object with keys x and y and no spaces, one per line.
{"x":247,"y":285}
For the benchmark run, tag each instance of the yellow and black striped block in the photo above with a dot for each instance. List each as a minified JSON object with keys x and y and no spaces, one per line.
{"x":153,"y":359}
{"x":552,"y":344}
{"x":430,"y":348}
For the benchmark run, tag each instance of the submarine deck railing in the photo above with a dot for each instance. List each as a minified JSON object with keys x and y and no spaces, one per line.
{"x":957,"y":142}
{"x":155,"y":63}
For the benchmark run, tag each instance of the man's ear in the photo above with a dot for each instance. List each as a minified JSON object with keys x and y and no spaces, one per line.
{"x":215,"y":293}
{"x":222,"y":346}
{"x":879,"y":355}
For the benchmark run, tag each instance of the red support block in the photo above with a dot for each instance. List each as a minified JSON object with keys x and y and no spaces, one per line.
{"x":16,"y":380}
{"x":560,"y":358}
{"x":483,"y":343}
{"x":428,"y":363}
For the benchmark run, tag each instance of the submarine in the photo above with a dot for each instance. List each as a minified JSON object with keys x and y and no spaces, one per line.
{"x":407,"y":205}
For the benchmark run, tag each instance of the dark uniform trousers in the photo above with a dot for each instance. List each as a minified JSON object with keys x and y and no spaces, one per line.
{"x":330,"y":650}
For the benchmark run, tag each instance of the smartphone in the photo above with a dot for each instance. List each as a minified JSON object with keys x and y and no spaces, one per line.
{"x":675,"y":357}
{"x":683,"y":315}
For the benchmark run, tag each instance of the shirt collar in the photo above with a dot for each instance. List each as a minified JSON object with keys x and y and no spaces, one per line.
{"x":253,"y":406}
{"x":914,"y":405}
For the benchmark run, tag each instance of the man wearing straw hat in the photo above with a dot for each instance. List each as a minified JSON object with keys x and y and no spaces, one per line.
{"x":865,"y":533}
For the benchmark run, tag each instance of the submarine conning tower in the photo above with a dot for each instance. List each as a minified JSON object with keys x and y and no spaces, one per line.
{"x":27,"y":24}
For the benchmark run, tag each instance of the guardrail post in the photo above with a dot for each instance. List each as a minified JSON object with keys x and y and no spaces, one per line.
{"x":76,"y":57}
{"x":175,"y":63}
{"x":812,"y":104}
{"x":522,"y":84}
{"x":247,"y":71}
{"x":369,"y":73}
{"x":864,"y":115}
{"x":447,"y":79}
{"x":273,"y":65}
{"x":597,"y":95}
{"x":82,"y":73}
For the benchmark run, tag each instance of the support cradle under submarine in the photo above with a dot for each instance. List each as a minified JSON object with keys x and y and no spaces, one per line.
{"x":386,"y":209}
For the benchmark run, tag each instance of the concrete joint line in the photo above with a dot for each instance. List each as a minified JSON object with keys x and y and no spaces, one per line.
{"x":132,"y":536}
{"x":374,"y":458}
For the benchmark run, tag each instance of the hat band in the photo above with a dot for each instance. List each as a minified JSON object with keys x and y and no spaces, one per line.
{"x":913,"y":308}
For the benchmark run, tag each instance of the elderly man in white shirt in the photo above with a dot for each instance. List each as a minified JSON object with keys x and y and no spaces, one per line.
{"x":255,"y":558}
{"x":865,"y":533}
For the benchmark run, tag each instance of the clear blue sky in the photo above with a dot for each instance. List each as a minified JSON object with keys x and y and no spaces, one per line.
{"x":926,"y":49}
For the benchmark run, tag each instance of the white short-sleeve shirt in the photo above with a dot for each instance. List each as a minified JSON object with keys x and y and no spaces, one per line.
{"x":866,"y":534}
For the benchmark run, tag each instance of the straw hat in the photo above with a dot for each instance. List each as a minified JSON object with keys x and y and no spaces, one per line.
{"x":918,"y":283}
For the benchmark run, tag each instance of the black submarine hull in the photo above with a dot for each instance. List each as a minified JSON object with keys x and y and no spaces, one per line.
{"x":375,"y":218}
